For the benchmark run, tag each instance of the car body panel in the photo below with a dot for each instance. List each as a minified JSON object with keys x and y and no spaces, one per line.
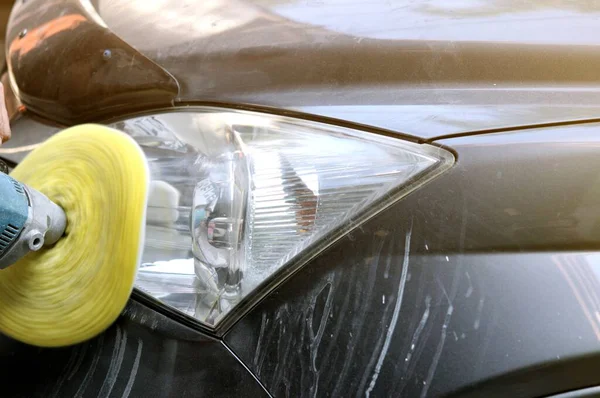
{"x":343,"y":327}
{"x":478,"y":276}
{"x":144,"y":354}
{"x":421,"y":69}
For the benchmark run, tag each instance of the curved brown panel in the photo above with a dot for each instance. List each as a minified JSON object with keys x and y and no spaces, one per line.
{"x":65,"y":65}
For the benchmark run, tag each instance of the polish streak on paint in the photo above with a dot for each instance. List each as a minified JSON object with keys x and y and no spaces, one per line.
{"x":92,"y":368}
{"x":115,"y":363}
{"x":397,"y":307}
{"x":134,"y":369}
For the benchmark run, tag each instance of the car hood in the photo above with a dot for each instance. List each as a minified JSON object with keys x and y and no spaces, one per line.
{"x":426,"y":69}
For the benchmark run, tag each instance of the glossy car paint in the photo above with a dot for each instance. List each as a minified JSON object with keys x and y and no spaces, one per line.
{"x":483,"y":282}
{"x":424,"y":68}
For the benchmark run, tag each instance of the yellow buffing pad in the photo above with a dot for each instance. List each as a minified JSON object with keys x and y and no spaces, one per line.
{"x":73,"y":291}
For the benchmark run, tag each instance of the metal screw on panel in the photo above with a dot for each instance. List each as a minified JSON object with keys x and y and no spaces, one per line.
{"x":22,"y":33}
{"x":107,"y":54}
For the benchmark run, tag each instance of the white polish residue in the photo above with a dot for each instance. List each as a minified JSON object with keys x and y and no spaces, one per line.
{"x":470,"y":289}
{"x":115,"y":363}
{"x":420,"y":328}
{"x":394,"y":320}
{"x":92,"y":368}
{"x":134,"y":369}
{"x":438,"y":351}
{"x":479,"y":312}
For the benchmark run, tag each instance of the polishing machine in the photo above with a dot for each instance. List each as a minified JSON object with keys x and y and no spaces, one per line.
{"x":28,"y":220}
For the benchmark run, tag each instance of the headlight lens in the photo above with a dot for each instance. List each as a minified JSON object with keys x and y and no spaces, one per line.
{"x":235,"y":196}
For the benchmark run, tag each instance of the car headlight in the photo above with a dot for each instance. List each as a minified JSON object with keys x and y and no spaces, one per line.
{"x":236,"y":197}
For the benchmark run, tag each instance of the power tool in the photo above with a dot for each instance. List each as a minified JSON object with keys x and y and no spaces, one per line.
{"x":28,"y":220}
{"x":72,"y":219}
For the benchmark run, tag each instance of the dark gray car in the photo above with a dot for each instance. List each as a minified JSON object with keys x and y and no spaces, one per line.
{"x":432,"y":226}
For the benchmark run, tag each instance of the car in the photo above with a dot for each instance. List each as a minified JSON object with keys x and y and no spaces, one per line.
{"x":378,"y":198}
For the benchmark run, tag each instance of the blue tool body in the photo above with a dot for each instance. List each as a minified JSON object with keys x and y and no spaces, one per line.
{"x":13,"y":211}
